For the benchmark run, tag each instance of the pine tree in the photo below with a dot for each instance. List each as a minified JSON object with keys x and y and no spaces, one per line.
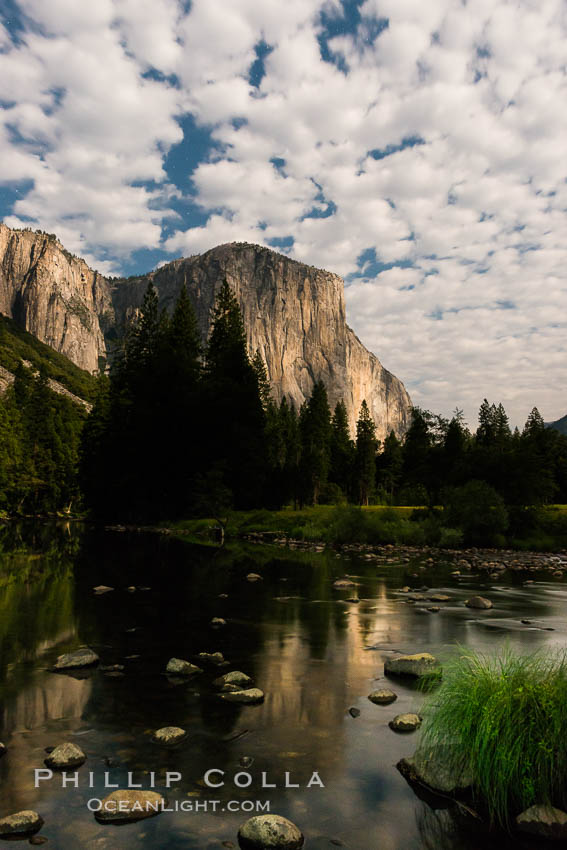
{"x":341,"y":450}
{"x":315,"y":429}
{"x":366,"y":448}
{"x":389,"y":465}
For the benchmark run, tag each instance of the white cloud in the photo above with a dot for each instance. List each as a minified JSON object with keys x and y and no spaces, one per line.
{"x":478,"y":207}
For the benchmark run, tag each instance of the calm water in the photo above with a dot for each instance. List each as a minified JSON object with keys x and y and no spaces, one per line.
{"x":314,"y":654}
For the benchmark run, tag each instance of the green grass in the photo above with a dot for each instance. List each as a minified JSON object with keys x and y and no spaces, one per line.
{"x":17,"y":345}
{"x":506,"y":717}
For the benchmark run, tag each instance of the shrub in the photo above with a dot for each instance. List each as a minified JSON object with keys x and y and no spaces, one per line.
{"x":505,"y":717}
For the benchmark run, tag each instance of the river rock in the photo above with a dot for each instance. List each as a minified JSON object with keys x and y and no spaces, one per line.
{"x":420,"y":664}
{"x":214,"y":658}
{"x":236,"y":679}
{"x":129,"y":804}
{"x":478,"y":602}
{"x":405,"y":723}
{"x":102,"y":588}
{"x":382,"y":697}
{"x":80,"y":658}
{"x":343,"y":583}
{"x":169,"y":735}
{"x":439,"y":597}
{"x":3,"y":749}
{"x":254,"y":577}
{"x":544,"y":821}
{"x":218,"y":621}
{"x":248,"y":696}
{"x":21,"y":824}
{"x":265,"y":832}
{"x":180,"y":667}
{"x":65,"y":755}
{"x":436,"y":771}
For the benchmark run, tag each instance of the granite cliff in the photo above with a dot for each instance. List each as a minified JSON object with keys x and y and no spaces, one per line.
{"x":294,"y":314}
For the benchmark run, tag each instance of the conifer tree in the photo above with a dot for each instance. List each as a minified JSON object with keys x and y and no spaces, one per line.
{"x":341,"y":450}
{"x":315,"y":429}
{"x":366,"y":448}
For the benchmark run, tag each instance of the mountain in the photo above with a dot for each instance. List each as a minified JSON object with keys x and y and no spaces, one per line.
{"x":294,"y":315}
{"x":559,"y":425}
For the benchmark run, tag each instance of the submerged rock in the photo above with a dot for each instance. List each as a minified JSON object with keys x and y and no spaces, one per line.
{"x":180,"y":667}
{"x":478,"y":602}
{"x":218,"y":621}
{"x":354,"y":712}
{"x":384,"y":696}
{"x":74,"y":660}
{"x":65,"y":755}
{"x":436,"y":770}
{"x":21,"y":823}
{"x":405,"y":723}
{"x":169,"y":735}
{"x":544,"y":821}
{"x":265,"y":832}
{"x":254,"y":577}
{"x":343,"y":583}
{"x":420,"y":664}
{"x":247,"y":696}
{"x":439,"y":597}
{"x":129,"y":804}
{"x":236,"y":679}
{"x":214,"y":657}
{"x":102,"y":588}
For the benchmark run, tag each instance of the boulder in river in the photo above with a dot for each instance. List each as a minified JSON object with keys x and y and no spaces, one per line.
{"x":129,"y":804}
{"x":3,"y":749}
{"x":343,"y":583}
{"x":180,"y":667}
{"x":236,"y":678}
{"x":544,"y":821}
{"x":439,"y":597}
{"x":65,"y":756}
{"x":102,"y":588}
{"x":270,"y":832}
{"x":437,"y":771}
{"x":254,"y":577}
{"x":218,"y":621}
{"x":405,"y":723}
{"x":478,"y":602}
{"x":79,"y":658}
{"x":169,"y":735}
{"x":417,"y":665}
{"x":383,"y":696}
{"x":20,"y":824}
{"x":249,"y":696}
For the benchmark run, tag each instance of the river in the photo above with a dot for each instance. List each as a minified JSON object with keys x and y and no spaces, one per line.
{"x":314,"y":654}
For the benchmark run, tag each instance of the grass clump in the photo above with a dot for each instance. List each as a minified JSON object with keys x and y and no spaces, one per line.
{"x":504,"y":718}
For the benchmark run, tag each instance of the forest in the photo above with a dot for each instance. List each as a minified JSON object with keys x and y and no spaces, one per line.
{"x":180,"y":430}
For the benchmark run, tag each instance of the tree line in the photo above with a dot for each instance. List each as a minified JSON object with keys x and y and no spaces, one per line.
{"x":183,"y":429}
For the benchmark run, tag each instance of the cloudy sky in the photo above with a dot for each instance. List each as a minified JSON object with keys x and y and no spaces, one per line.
{"x":418,"y":149}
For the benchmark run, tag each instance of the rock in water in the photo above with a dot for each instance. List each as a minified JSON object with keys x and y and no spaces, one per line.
{"x":544,"y":821}
{"x":73,"y":660}
{"x":64,"y":756}
{"x":237,"y":678}
{"x":248,"y":696}
{"x":436,"y":769}
{"x":405,"y":723}
{"x":254,"y":577}
{"x":214,"y":657}
{"x":102,"y":588}
{"x":265,"y":832}
{"x":218,"y":621}
{"x":129,"y":804}
{"x":382,"y":697}
{"x":3,"y":749}
{"x":180,"y":667}
{"x":82,"y":311}
{"x":20,"y":824}
{"x":478,"y":602}
{"x":169,"y":735}
{"x":341,"y":583}
{"x":420,"y":664}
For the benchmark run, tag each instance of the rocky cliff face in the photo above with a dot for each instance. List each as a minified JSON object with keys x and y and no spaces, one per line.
{"x":294,"y":314}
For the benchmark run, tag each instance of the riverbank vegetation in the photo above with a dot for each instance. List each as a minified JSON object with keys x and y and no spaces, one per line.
{"x":505,"y":718}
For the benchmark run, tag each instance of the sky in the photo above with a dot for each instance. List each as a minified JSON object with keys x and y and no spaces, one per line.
{"x":418,"y":149}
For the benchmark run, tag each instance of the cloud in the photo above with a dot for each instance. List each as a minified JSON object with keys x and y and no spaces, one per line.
{"x":428,"y":137}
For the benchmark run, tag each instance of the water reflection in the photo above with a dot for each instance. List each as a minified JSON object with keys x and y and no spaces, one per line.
{"x":314,"y":653}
